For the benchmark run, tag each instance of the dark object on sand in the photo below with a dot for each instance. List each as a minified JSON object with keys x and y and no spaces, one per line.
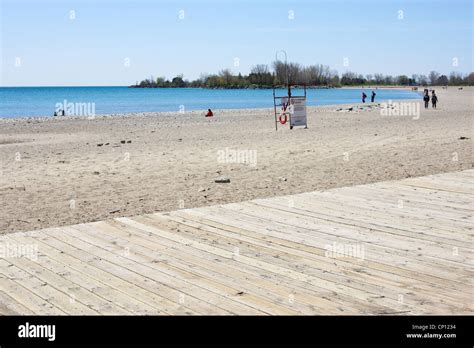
{"x":222,"y":180}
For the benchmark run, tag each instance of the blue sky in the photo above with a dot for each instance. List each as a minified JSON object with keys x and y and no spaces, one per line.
{"x":41,"y":45}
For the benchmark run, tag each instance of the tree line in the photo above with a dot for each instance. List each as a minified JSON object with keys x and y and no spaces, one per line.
{"x":261,"y":76}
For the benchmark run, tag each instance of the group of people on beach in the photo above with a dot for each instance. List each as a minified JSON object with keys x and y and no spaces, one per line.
{"x":372,"y":97}
{"x":426,"y":98}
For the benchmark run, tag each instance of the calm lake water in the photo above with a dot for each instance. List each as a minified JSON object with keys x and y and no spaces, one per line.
{"x":43,"y":101}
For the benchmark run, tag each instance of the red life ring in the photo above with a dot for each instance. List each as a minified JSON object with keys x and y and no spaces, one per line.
{"x":283,"y":121}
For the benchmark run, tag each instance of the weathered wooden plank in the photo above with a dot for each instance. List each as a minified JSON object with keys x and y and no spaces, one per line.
{"x":27,"y":297}
{"x":266,"y":256}
{"x":368,"y":284}
{"x":213,"y":291}
{"x":300,"y":243}
{"x":378,"y":201}
{"x":213,"y":302}
{"x":437,"y":186}
{"x":121,"y":279}
{"x":266,"y":265}
{"x":10,"y":306}
{"x":427,"y":198}
{"x":338,"y":266}
{"x":321,"y":234}
{"x":370,"y":223}
{"x":212,"y":267}
{"x":49,"y":292}
{"x":344,"y":303}
{"x":95,"y":294}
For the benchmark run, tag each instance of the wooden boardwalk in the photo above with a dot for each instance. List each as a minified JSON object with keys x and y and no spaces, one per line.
{"x":403,"y":247}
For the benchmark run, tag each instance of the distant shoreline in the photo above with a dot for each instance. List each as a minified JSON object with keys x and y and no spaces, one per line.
{"x":293,"y":86}
{"x":90,"y":101}
{"x":232,"y":88}
{"x":277,"y":87}
{"x":196,"y":112}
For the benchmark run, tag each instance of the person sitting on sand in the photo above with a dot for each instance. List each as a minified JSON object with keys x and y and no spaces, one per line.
{"x":209,"y":113}
{"x":372,"y":98}
{"x":434,"y":99}
{"x":55,"y":114}
{"x":426,"y":99}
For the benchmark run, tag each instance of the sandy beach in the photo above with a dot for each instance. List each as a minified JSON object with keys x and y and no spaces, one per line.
{"x":57,"y":171}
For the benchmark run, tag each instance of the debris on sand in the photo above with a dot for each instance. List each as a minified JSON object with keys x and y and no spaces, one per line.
{"x":222,"y":180}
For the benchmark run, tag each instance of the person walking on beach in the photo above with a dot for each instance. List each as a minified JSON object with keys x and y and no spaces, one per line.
{"x":426,"y":99}
{"x":372,"y":98}
{"x":434,"y":99}
{"x":363,"y":97}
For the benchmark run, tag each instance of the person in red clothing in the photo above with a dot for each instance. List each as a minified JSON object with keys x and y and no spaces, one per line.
{"x":209,"y":113}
